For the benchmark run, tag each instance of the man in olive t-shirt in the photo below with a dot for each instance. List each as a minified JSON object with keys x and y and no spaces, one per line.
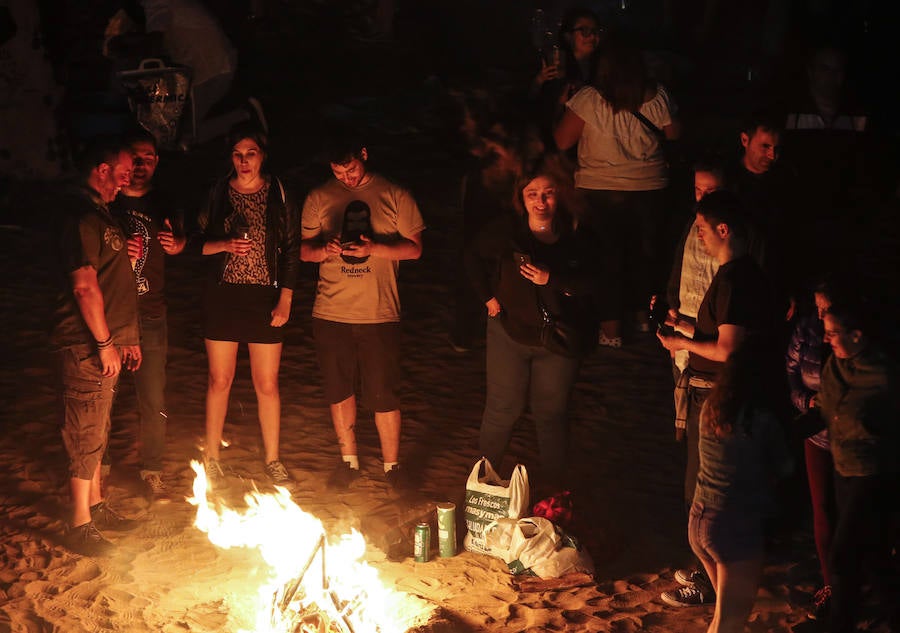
{"x":96,"y":334}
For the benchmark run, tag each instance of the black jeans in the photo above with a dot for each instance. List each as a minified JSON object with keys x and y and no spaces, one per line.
{"x":150,"y":386}
{"x":861,"y":539}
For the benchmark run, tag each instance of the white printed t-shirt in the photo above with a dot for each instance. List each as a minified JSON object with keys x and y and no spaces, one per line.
{"x":363,"y":292}
{"x":617,"y":152}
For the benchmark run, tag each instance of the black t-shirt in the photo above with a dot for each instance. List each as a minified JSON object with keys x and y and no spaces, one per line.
{"x":144,"y":216}
{"x":740,"y":295}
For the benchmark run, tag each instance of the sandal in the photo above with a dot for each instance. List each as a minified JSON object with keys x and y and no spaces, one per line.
{"x":610,"y":341}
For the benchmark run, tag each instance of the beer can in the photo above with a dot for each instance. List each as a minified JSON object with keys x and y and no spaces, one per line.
{"x":422,"y":543}
{"x":140,"y":238}
{"x":446,"y":522}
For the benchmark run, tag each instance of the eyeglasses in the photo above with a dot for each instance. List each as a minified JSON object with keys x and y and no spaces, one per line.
{"x":587,"y":31}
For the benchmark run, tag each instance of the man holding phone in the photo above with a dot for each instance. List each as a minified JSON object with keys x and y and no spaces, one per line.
{"x":737,"y":302}
{"x":358,"y":227}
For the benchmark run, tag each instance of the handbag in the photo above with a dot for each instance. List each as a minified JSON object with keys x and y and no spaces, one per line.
{"x":560,"y":337}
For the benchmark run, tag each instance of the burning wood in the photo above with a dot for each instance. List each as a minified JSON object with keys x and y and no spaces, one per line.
{"x":344,"y":596}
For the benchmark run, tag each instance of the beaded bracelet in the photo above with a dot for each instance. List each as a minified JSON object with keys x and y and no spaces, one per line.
{"x":104,"y":344}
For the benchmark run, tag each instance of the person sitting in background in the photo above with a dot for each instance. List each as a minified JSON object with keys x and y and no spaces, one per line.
{"x":742,"y":451}
{"x":806,"y":354}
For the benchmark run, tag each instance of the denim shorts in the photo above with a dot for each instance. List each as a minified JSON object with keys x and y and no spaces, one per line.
{"x":87,"y":399}
{"x":725,"y":536}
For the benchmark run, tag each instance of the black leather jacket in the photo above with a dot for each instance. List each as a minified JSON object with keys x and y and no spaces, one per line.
{"x":282,"y":233}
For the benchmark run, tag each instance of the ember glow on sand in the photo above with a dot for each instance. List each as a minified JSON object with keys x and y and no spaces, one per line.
{"x":316,"y":582}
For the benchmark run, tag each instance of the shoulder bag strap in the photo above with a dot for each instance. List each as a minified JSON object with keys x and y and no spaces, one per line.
{"x":649,"y":125}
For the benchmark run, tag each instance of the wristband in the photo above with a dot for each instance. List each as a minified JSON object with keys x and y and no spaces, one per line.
{"x":104,"y":344}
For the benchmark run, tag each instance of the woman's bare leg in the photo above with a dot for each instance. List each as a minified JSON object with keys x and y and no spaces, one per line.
{"x":736,"y":587}
{"x":222,"y":356}
{"x":265,"y":360}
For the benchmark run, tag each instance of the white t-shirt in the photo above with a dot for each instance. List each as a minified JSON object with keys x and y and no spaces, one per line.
{"x":363,"y":292}
{"x":616,"y":151}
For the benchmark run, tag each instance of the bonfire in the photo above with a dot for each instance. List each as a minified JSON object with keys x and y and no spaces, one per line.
{"x":316,"y":582}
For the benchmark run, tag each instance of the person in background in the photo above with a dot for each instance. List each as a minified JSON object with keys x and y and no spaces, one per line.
{"x":96,"y":334}
{"x":806,"y":353}
{"x":693,"y":268}
{"x":526,"y":268}
{"x":358,"y":227}
{"x":769,"y":190}
{"x":251,"y":239}
{"x":155,"y":231}
{"x":836,"y":156}
{"x":192,"y":37}
{"x":742,"y":452}
{"x":859,"y":403}
{"x":558,"y":80}
{"x":486,"y":195}
{"x":617,"y":123}
{"x":737,"y":303}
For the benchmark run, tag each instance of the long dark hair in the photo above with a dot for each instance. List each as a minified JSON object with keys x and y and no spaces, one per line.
{"x":622,"y":77}
{"x":747,"y":380}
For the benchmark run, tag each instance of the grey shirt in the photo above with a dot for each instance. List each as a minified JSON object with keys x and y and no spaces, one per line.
{"x":737,"y":470}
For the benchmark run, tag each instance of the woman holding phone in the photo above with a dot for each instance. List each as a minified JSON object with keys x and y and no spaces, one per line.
{"x":251,"y":239}
{"x":533,"y":271}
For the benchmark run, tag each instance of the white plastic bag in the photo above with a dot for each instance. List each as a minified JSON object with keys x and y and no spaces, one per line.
{"x":489,"y":498}
{"x":537,"y":546}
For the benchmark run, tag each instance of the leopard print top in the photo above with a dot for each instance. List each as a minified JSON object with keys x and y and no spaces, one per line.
{"x":249,"y":208}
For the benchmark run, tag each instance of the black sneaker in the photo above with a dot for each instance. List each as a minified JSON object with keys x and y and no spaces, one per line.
{"x":397,"y":479}
{"x":342,"y":477}
{"x":688,"y":577}
{"x":689,"y":596}
{"x":821,"y":603}
{"x":106,"y":518}
{"x":277,"y":473}
{"x":88,"y":541}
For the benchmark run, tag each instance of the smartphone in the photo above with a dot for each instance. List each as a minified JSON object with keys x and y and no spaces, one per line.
{"x":521,"y":258}
{"x":346,"y":245}
{"x":665,"y":330}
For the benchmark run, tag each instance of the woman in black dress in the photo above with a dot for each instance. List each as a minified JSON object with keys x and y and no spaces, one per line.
{"x":251,"y":237}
